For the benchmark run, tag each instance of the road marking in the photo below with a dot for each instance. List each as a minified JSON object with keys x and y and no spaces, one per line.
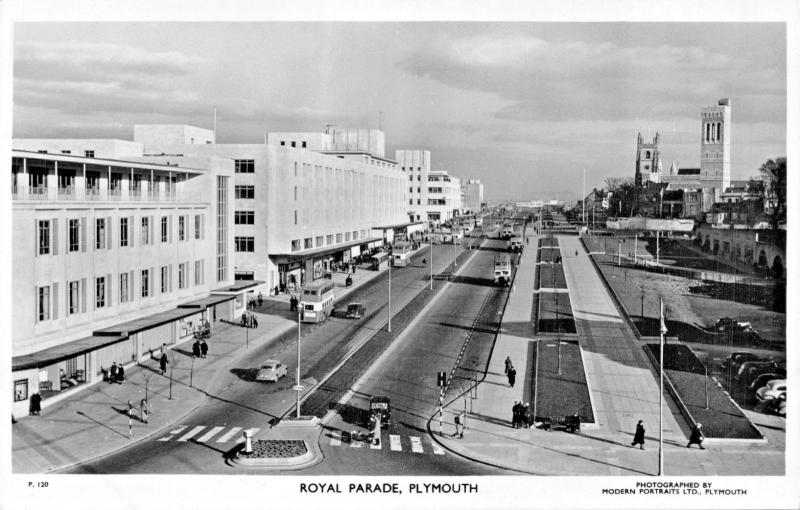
{"x":208,"y":435}
{"x":252,"y":433}
{"x":438,"y":450}
{"x":228,"y":435}
{"x":416,"y":444}
{"x":173,"y":433}
{"x":377,"y":446}
{"x":336,"y":438}
{"x":191,"y":433}
{"x":394,"y":443}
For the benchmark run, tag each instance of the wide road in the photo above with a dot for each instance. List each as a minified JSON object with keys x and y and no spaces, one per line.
{"x":407,"y":375}
{"x":236,"y":402}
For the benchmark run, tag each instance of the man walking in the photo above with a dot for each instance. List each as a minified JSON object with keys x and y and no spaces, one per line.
{"x":509,"y":366}
{"x":638,"y":437}
{"x":163,"y":362}
{"x":143,"y":410}
{"x":260,"y":300}
{"x":512,"y":376}
{"x":459,"y":426}
{"x":203,"y":349}
{"x":696,"y":437}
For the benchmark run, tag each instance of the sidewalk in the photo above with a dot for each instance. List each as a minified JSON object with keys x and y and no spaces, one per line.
{"x":623,"y":390}
{"x":94,"y":422}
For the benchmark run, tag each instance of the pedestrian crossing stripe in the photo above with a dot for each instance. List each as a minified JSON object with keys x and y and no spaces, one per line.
{"x":191,"y":433}
{"x":173,"y":433}
{"x":336,"y":439}
{"x":208,"y":435}
{"x":252,"y":433}
{"x":376,"y":445}
{"x":416,"y":444}
{"x":228,"y":435}
{"x":437,"y":449}
{"x":394,"y":443}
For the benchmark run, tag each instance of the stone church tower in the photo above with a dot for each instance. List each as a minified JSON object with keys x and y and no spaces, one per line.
{"x":648,"y":161}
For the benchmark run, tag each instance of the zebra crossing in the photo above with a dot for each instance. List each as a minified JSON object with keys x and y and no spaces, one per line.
{"x":395,"y":442}
{"x":183,"y":433}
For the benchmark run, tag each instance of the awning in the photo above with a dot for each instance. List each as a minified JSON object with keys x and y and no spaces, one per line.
{"x":398,"y":225}
{"x":148,"y":322}
{"x":238,"y":286}
{"x":63,"y":351}
{"x":207,"y":301}
{"x":321,"y":252}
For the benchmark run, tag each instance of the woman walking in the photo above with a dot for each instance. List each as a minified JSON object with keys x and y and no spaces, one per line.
{"x":638,"y":437}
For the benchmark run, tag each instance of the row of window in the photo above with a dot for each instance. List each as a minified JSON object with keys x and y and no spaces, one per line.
{"x":76,"y":290}
{"x":76,"y":232}
{"x":293,"y":144}
{"x":320,"y":241}
{"x":411,"y":168}
{"x":88,"y":154}
{"x":244,"y":191}
{"x":244,"y":217}
{"x":244,"y":166}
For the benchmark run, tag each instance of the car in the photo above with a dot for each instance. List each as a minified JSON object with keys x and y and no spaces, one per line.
{"x":731,"y":364}
{"x":380,"y":408}
{"x":772,"y":390}
{"x":355,"y":311}
{"x":271,"y":370}
{"x":730,"y":324}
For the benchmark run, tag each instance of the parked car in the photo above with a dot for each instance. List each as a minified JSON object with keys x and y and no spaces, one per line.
{"x":778,"y":405}
{"x":772,"y":390}
{"x":271,"y":370}
{"x":762,"y":380}
{"x":750,"y":370}
{"x":731,"y":364}
{"x":355,"y":311}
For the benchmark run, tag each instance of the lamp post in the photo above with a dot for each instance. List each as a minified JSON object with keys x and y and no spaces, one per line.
{"x":619,"y":253}
{"x":389,"y":323}
{"x":662,"y":332}
{"x":297,"y":373}
{"x":431,"y":263}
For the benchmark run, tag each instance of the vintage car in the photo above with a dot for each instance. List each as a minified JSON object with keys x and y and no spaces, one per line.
{"x":355,"y":311}
{"x":271,"y":370}
{"x":380,"y":408}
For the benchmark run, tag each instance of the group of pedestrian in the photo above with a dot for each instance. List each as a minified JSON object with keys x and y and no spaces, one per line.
{"x":293,"y":302}
{"x":249,"y":320}
{"x":116,"y":374}
{"x":199,"y":349}
{"x":35,"y":405}
{"x":696,"y":436}
{"x":521,"y":415}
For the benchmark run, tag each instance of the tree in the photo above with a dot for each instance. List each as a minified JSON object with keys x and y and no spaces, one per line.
{"x":773,"y":173}
{"x":623,"y":195}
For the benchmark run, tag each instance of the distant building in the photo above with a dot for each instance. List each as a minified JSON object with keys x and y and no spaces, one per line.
{"x":416,"y":164}
{"x":648,"y":161}
{"x":444,"y":197}
{"x":473,"y":195}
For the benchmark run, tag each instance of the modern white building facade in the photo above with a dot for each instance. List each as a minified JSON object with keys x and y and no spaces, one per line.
{"x":473,"y":195}
{"x":113,"y":254}
{"x":445,"y":200}
{"x":415,"y":164}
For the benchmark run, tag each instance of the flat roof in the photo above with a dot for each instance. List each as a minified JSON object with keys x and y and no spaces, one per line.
{"x":63,"y":351}
{"x":321,"y":252}
{"x":207,"y":301}
{"x":239,"y":285}
{"x":398,"y":225}
{"x":150,"y":321}
{"x":47,"y":156}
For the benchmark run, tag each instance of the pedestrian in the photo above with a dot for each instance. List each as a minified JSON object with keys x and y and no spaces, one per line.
{"x":120,"y":373}
{"x":260,"y":299}
{"x":509,"y":366}
{"x":462,"y":419}
{"x":113,"y":373}
{"x":525,"y":415}
{"x":255,"y":323}
{"x":33,"y":405}
{"x":457,"y":421}
{"x":163,"y":362}
{"x":354,"y":269}
{"x":196,"y":349}
{"x":244,"y":319}
{"x":512,"y":376}
{"x":576,"y":253}
{"x":638,"y":437}
{"x":696,"y":437}
{"x":143,"y":410}
{"x":203,"y":349}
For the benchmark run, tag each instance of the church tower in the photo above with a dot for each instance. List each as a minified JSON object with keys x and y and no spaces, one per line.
{"x":648,"y":161}
{"x":715,"y":147}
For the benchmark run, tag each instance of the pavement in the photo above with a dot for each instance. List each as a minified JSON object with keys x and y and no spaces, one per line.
{"x":94,"y":422}
{"x":623,"y":387}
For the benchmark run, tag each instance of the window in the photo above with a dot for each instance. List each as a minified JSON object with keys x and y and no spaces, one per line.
{"x":419,"y":202}
{"x":304,"y":144}
{"x":410,"y":201}
{"x":295,"y":192}
{"x":44,"y":303}
{"x":329,"y":239}
{"x":319,"y":241}
{"x":355,"y":235}
{"x":419,"y":177}
{"x":145,"y":235}
{"x":164,"y":229}
{"x":182,"y":275}
{"x":411,"y":190}
{"x":308,"y":243}
{"x":283,"y":143}
{"x":296,"y":245}
{"x":145,"y":289}
{"x":363,"y":234}
{"x":123,"y":288}
{"x":73,"y":298}
{"x":66,"y":151}
{"x":295,"y":217}
{"x":199,"y":267}
{"x":244,"y":244}
{"x":294,"y":144}
{"x":244,"y":217}
{"x":181,"y":228}
{"x":410,"y":177}
{"x":123,"y":231}
{"x":20,"y":390}
{"x":100,"y":292}
{"x":89,"y":154}
{"x":74,"y":235}
{"x":44,"y":237}
{"x":295,"y":168}
{"x":338,"y":238}
{"x":347,"y":236}
{"x":244,"y":166}
{"x":198,"y":226}
{"x":222,"y":228}
{"x":99,"y":233}
{"x":245,"y":192}
{"x":164,"y":279}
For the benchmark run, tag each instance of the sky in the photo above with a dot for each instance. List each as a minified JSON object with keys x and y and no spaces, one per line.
{"x":524,"y":107}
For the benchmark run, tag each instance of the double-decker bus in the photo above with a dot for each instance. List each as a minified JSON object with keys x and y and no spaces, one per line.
{"x":502,"y":269}
{"x":317,"y":301}
{"x":401,"y":253}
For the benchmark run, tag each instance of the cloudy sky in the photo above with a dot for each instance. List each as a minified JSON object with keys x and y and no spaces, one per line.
{"x":524,"y":107}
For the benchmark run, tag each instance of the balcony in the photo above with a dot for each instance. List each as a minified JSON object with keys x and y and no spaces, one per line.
{"x":95,"y":193}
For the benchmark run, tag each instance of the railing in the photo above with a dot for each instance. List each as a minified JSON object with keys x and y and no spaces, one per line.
{"x":66,"y":193}
{"x":95,"y":194}
{"x":92,"y":193}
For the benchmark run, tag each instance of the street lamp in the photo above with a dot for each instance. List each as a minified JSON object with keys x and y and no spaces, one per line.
{"x":389,"y":329}
{"x":431,"y":263}
{"x":297,"y":373}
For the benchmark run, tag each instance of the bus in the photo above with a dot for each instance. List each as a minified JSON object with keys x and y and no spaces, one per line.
{"x":401,"y":253}
{"x":507,"y":232}
{"x":514,"y":244}
{"x":316,"y":301}
{"x":502,"y":269}
{"x":379,"y":261}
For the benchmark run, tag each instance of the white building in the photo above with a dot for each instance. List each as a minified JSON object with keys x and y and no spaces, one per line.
{"x":445,"y":200}
{"x":473,"y":195}
{"x":113,"y":255}
{"x":303,"y":201}
{"x":416,"y":164}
